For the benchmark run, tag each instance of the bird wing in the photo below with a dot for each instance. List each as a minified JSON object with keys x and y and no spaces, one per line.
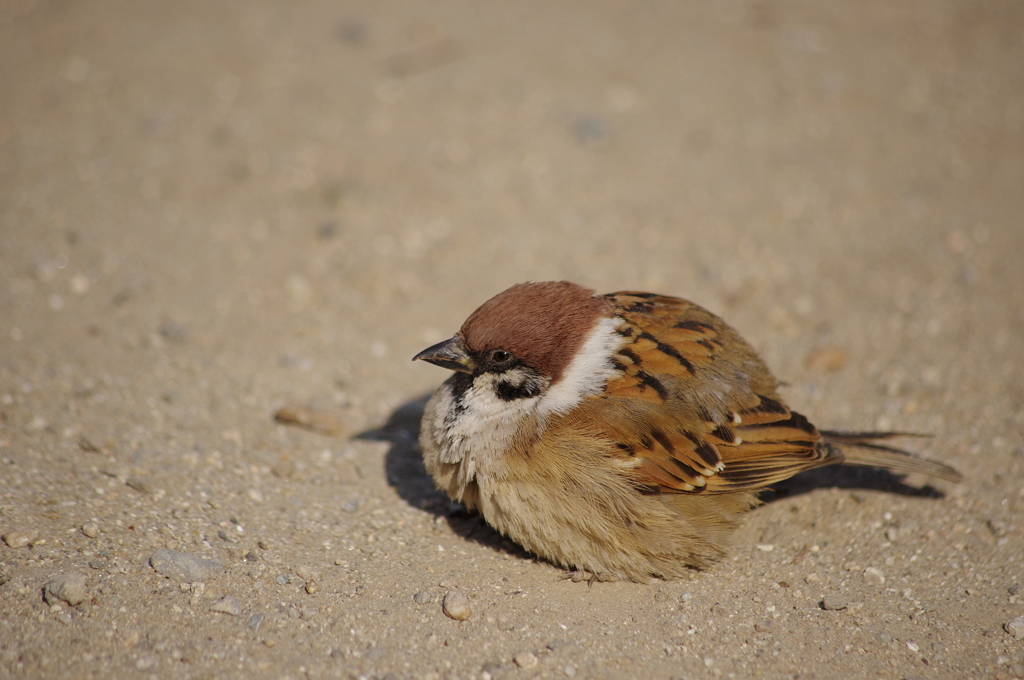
{"x":693,"y":408}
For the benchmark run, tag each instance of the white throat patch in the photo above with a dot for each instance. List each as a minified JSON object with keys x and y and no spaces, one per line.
{"x":482,"y":427}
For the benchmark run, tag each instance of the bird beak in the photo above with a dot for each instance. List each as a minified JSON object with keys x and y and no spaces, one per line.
{"x":450,"y":354}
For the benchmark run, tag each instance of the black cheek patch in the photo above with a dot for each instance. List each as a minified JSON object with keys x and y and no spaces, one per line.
{"x":529,"y":388}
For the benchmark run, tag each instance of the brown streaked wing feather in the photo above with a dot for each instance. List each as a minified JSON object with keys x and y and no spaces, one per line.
{"x":664,"y":431}
{"x":688,"y":417}
{"x":650,"y":444}
{"x":771,"y":450}
{"x":668,"y":341}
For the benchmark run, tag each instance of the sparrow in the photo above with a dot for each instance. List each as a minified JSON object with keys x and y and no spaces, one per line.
{"x":619,"y":436}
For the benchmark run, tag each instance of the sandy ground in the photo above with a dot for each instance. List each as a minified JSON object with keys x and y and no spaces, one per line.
{"x":210,"y":210}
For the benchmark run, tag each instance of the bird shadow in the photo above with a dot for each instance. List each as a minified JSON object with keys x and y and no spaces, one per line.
{"x":405,"y":472}
{"x":850,"y":477}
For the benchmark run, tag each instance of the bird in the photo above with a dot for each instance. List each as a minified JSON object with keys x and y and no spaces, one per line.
{"x":619,"y":436}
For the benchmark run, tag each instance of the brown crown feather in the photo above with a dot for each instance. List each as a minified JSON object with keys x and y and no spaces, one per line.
{"x":541,"y":324}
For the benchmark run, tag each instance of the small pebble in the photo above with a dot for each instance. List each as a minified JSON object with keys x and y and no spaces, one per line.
{"x":311,"y":419}
{"x":173,"y":331}
{"x":456,"y":605}
{"x":891,"y":534}
{"x":423,"y":597}
{"x":67,"y":587}
{"x":91,"y":529}
{"x":184,"y":567}
{"x":255,"y":621}
{"x":875,"y":575}
{"x":525,"y":660}
{"x":20,"y":539}
{"x":227,"y":605}
{"x":998,"y":527}
{"x":763,"y":626}
{"x":560,"y":645}
{"x":833,"y":603}
{"x":283,"y":468}
{"x":569,"y":670}
{"x":1015,"y":627}
{"x":306,"y":573}
{"x":284,"y":579}
{"x":198,"y":591}
{"x":312,"y":587}
{"x":85,"y":443}
{"x":140,"y":485}
{"x":505,"y":622}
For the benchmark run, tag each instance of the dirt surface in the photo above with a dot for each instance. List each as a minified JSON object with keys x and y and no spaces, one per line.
{"x":212,"y":210}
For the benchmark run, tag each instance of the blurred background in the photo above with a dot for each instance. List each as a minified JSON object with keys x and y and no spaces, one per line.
{"x":359,"y":176}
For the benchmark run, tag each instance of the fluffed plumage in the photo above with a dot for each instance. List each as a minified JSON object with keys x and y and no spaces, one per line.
{"x":619,"y":434}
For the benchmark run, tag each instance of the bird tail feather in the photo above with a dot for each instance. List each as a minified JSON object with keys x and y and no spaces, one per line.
{"x":863,"y":448}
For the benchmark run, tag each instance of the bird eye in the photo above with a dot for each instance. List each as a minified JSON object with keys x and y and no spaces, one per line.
{"x":500,"y":356}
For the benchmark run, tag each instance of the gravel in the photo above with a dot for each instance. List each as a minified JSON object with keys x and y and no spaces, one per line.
{"x":227,"y":605}
{"x":874,"y":574}
{"x":70,"y":588}
{"x":184,"y":567}
{"x":91,"y":529}
{"x":526,"y":660}
{"x":20,"y":539}
{"x":833,"y":603}
{"x":456,"y":605}
{"x":255,"y":621}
